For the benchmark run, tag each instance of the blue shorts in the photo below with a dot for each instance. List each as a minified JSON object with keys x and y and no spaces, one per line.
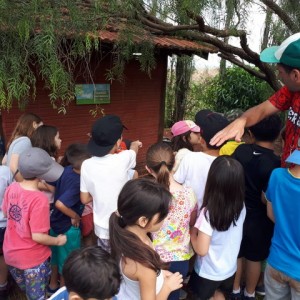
{"x":60,"y":253}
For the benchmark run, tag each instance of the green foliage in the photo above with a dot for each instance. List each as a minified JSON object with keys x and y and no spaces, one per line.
{"x":238,"y":89}
{"x":50,"y":40}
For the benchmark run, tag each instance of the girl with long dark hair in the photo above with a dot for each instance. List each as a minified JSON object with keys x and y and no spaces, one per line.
{"x":47,"y":138}
{"x":217,"y":234}
{"x":142,"y":207}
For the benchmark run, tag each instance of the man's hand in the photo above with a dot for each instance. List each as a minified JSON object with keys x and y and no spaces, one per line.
{"x":233,"y":130}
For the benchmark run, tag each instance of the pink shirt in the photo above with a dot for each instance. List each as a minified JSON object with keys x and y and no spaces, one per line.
{"x":27,"y":212}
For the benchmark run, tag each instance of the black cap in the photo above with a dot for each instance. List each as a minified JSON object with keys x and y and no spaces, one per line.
{"x":105,"y":133}
{"x":210,"y":123}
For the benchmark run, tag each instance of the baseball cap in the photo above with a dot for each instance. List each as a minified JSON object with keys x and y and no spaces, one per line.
{"x":210,"y":123}
{"x":36,"y":162}
{"x":287,"y":53}
{"x":294,"y":158}
{"x":105,"y":133}
{"x":183,"y":127}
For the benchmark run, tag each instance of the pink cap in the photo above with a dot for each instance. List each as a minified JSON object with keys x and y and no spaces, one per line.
{"x":183,"y":127}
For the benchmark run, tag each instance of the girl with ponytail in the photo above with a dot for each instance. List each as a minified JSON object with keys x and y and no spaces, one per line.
{"x":172,"y":240}
{"x":142,"y":207}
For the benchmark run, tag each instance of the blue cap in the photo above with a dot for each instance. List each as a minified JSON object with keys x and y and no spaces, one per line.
{"x":294,"y":158}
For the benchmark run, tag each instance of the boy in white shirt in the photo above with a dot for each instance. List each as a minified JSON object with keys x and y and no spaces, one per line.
{"x":104,"y":174}
{"x":194,"y":166}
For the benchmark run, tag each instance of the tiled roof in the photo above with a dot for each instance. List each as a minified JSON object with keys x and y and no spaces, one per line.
{"x":165,"y":42}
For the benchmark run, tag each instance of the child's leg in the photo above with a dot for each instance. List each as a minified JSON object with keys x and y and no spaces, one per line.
{"x":218,"y":295}
{"x":238,"y":275}
{"x":253,"y":269}
{"x":19,"y":277}
{"x":53,"y":285}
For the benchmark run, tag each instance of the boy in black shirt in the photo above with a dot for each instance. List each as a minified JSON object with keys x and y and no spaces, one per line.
{"x":258,"y":160}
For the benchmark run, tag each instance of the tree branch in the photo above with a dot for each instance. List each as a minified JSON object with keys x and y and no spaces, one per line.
{"x":282,"y":15}
{"x":241,"y":64}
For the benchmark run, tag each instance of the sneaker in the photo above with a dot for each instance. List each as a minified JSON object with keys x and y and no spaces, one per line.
{"x":236,"y":296}
{"x":260,"y":290}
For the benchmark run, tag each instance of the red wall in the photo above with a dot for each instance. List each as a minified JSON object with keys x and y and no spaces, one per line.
{"x":138,"y":101}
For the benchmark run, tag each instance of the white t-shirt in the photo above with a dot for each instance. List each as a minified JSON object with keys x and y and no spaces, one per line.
{"x":220,"y":262}
{"x":104,"y":177}
{"x":193,"y":171}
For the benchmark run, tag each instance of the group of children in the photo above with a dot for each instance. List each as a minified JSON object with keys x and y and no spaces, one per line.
{"x":148,"y":230}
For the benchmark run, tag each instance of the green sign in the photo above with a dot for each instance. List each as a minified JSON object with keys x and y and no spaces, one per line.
{"x":92,"y":93}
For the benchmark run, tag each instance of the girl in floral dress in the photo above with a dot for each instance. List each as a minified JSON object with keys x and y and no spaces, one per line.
{"x":172,"y":241}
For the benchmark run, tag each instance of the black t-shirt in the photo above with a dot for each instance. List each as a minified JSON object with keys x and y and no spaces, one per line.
{"x":258,"y":163}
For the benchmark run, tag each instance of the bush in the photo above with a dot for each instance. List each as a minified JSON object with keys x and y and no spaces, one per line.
{"x":237,"y":89}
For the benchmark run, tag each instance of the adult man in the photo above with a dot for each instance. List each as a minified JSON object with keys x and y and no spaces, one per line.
{"x":287,"y":58}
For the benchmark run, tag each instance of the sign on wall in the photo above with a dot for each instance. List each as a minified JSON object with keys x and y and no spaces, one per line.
{"x":92,"y":93}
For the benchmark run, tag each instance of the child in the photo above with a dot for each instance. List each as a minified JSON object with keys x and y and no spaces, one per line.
{"x":193,"y":169}
{"x":47,"y":137}
{"x":26,"y":240}
{"x":217,"y":235}
{"x":186,"y":134}
{"x":258,"y":160}
{"x":66,"y":214}
{"x":5,"y":181}
{"x":89,"y":273}
{"x":282,"y":274}
{"x":20,"y":141}
{"x":172,"y":240}
{"x":104,"y":175}
{"x":142,"y":207}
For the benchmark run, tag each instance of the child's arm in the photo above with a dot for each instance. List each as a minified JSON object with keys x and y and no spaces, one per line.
{"x":135,"y":146}
{"x":44,"y":186}
{"x":147,"y":281}
{"x":46,"y":239}
{"x":193,"y":217}
{"x":200,"y":241}
{"x":68,"y":212}
{"x":85,"y":198}
{"x":270,"y":213}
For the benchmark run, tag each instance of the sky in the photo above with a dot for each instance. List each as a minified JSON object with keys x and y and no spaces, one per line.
{"x":254,"y":28}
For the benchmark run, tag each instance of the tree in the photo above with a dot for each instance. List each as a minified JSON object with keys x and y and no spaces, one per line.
{"x":48,"y":38}
{"x":199,"y":29}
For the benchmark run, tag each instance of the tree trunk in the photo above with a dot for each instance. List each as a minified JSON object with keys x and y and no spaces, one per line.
{"x":184,"y":69}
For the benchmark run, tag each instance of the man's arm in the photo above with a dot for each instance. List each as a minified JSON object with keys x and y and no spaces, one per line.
{"x":249,"y":118}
